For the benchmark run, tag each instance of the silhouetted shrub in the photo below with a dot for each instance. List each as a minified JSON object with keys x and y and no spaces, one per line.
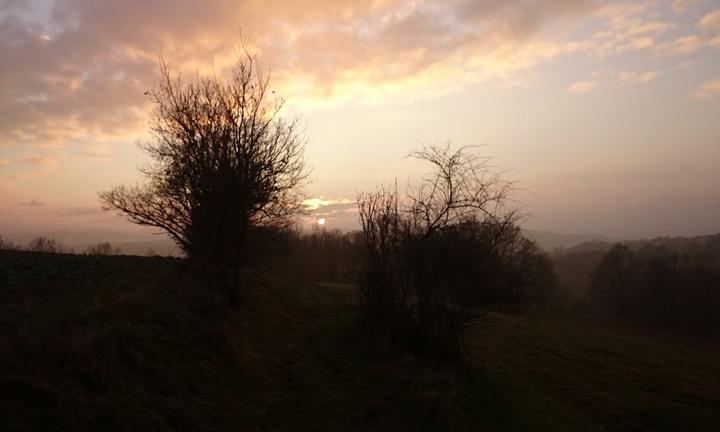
{"x":7,"y":244}
{"x":103,"y":248}
{"x":432,"y":268}
{"x":45,"y":244}
{"x":227,"y":170}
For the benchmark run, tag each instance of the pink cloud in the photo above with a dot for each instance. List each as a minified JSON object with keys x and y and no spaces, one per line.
{"x":581,"y":87}
{"x":711,"y":20}
{"x":709,"y":89}
{"x":682,"y":45}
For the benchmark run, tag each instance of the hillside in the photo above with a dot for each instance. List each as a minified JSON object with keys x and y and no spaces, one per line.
{"x":118,"y":343}
{"x":574,"y":267}
{"x":140,"y":242}
{"x":551,"y":240}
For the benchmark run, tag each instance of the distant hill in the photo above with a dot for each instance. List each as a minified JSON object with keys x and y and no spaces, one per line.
{"x":575,"y":265}
{"x":551,"y":240}
{"x":142,"y":242}
{"x":680,"y":245}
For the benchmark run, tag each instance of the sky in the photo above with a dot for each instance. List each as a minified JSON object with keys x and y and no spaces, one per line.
{"x":606,"y":114}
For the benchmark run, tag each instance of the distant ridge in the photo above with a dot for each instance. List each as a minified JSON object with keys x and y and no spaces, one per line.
{"x":677,"y":244}
{"x":141,"y":243}
{"x":130,"y":243}
{"x":551,"y":240}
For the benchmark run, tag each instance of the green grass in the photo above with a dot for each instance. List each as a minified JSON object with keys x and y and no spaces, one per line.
{"x":120,"y":343}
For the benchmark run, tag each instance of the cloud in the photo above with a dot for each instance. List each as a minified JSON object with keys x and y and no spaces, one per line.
{"x":40,"y":161}
{"x":338,"y":213}
{"x":345,"y":219}
{"x":627,"y":27}
{"x":99,"y":151}
{"x":627,"y":77}
{"x":313,"y":204}
{"x":40,"y":164}
{"x":581,"y":87}
{"x":684,"y":5}
{"x":681,"y":45}
{"x":33,"y":203}
{"x":609,"y":77}
{"x":84,"y":71}
{"x":707,"y":90}
{"x":80,"y":211}
{"x":77,"y":72}
{"x":693,"y":42}
{"x":711,"y":20}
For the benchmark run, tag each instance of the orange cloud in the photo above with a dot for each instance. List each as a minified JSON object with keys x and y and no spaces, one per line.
{"x":80,"y":76}
{"x":627,"y":27}
{"x":83,"y":73}
{"x":42,"y":164}
{"x":627,"y":77}
{"x":682,"y":45}
{"x":711,"y":20}
{"x":707,"y":90}
{"x":581,"y":87}
{"x":684,"y":5}
{"x":313,"y":204}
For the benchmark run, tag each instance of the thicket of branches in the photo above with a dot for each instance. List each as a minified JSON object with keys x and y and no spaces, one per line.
{"x":103,"y":249}
{"x":435,"y":263}
{"x":226,"y":169}
{"x":319,"y":255}
{"x":7,"y":244}
{"x":48,"y":245}
{"x":665,"y":289}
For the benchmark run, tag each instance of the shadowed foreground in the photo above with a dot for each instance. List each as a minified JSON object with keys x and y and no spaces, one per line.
{"x":125,"y":343}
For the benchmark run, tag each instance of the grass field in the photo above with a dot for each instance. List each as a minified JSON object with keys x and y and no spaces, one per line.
{"x":119,"y":343}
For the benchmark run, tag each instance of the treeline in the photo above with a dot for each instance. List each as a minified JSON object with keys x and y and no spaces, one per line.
{"x":318,"y":256}
{"x":323,"y":255}
{"x":671,"y":286}
{"x":51,"y":245}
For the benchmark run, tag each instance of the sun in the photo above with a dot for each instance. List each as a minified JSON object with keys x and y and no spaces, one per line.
{"x":321,"y":221}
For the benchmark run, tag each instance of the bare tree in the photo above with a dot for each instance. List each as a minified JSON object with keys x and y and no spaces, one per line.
{"x":225,"y":167}
{"x":437,"y":261}
{"x":45,"y":244}
{"x":463,"y":187}
{"x":612,"y":278}
{"x":7,"y":244}
{"x":103,"y":248}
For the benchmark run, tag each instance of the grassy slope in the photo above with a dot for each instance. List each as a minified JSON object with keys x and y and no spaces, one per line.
{"x":124,"y":343}
{"x":563,"y":373}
